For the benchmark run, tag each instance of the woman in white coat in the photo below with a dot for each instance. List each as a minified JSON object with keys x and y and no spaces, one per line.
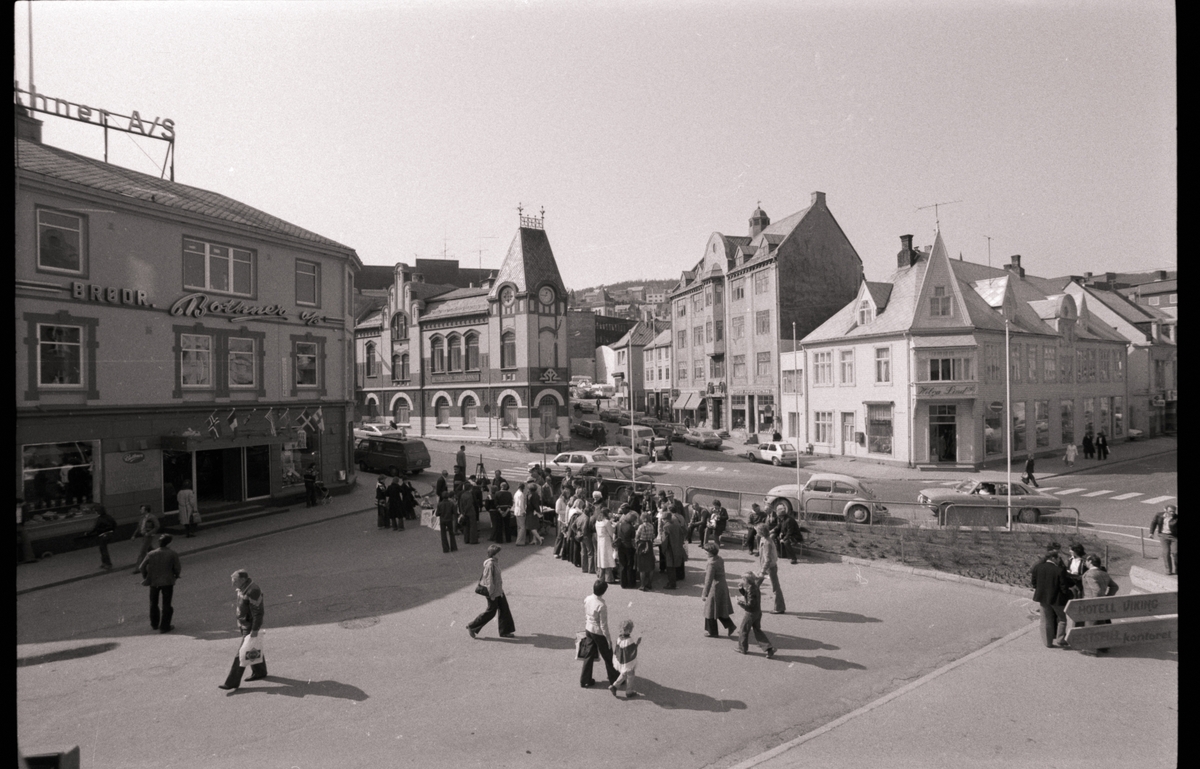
{"x":606,"y":552}
{"x":189,"y":512}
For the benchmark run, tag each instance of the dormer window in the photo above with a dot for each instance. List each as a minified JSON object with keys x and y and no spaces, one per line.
{"x":941,"y":304}
{"x":865,"y":315}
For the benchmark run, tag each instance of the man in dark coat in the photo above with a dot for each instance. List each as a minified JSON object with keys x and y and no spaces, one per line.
{"x":1028,"y":477}
{"x":251,"y":610}
{"x":1050,"y":590}
{"x":460,"y":463}
{"x":161,"y":568}
{"x":395,"y":504}
{"x":503,"y":500}
{"x":467,"y":515}
{"x":442,"y":485}
{"x":310,"y":486}
{"x":408,"y":500}
{"x":671,"y":540}
{"x":447,"y":510}
{"x":103,"y":530}
{"x":1101,"y":445}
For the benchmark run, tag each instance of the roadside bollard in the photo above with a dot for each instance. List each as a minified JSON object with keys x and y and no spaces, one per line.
{"x":1106,"y":557}
{"x":1142,"y":537}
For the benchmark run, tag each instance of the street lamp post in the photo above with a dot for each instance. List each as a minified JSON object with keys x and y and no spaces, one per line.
{"x":1008,"y":421}
{"x":796,"y":389}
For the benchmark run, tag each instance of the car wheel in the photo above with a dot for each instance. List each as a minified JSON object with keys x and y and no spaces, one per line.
{"x":750,"y":455}
{"x":363,"y":466}
{"x":775,"y":461}
{"x":418,"y":471}
{"x":1029,"y":515}
{"x":782,"y":506}
{"x":859,"y":514}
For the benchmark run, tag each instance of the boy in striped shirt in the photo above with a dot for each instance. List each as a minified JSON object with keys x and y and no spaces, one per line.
{"x":625,"y":660}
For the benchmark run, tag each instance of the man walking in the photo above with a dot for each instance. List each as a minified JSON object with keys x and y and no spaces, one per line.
{"x":310,"y":486}
{"x":251,"y":609}
{"x":595,"y":624}
{"x":147,"y":529}
{"x":1028,"y":477}
{"x":1166,"y":525}
{"x":447,"y":509}
{"x":768,"y":565}
{"x":103,"y":530}
{"x":751,"y":602}
{"x":161,"y":568}
{"x":1050,"y":590}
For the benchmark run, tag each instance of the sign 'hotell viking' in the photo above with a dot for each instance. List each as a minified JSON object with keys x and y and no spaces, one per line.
{"x":1163,"y":628}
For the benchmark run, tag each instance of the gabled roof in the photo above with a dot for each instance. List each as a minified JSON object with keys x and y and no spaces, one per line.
{"x":56,"y":163}
{"x":880,"y":293}
{"x":529,"y":264}
{"x":460,"y":301}
{"x":662,"y":340}
{"x":638,"y":336}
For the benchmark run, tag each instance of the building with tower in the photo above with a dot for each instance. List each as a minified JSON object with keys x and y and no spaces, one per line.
{"x":483,"y":363}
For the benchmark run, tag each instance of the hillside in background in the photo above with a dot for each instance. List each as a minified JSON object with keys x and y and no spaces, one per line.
{"x":658,"y":284}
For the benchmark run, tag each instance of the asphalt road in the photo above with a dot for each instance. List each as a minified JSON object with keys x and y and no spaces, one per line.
{"x":370,"y":663}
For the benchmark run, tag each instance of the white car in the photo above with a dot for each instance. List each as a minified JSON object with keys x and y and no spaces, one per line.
{"x":828,"y":494}
{"x":374,"y":431}
{"x":623,"y":455}
{"x":775,"y":453}
{"x":575,"y":460}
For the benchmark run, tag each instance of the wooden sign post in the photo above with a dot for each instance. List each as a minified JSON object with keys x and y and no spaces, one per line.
{"x":1156,"y":605}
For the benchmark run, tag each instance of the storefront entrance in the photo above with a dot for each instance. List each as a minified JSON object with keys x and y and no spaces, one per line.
{"x":218,"y":475}
{"x":943,"y":435}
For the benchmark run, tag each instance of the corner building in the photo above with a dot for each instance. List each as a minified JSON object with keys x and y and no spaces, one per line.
{"x":732,"y":314}
{"x":167,"y":333}
{"x":482,"y":363}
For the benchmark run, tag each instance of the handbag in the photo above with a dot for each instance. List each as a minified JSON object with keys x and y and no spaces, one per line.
{"x":483,"y":591}
{"x":583,"y":645}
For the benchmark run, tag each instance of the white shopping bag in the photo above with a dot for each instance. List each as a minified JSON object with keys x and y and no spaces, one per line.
{"x":251,"y":652}
{"x":427,"y":518}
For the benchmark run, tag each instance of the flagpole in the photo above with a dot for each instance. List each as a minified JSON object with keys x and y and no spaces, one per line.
{"x":796,"y":388}
{"x":1008,"y":419}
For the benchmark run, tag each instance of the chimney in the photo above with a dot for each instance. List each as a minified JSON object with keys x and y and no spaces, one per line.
{"x":906,"y":256}
{"x":1014,"y":266}
{"x":818,"y":197}
{"x":1087,"y":275}
{"x":27,"y":126}
{"x":1110,"y":278}
{"x":1162,"y":275}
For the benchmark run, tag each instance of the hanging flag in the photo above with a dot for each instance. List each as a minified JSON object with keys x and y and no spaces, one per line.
{"x":232,"y":420}
{"x":302,"y":419}
{"x":283,"y":418}
{"x":306,"y":420}
{"x":320,"y":419}
{"x":270,"y":421}
{"x":213,"y":425}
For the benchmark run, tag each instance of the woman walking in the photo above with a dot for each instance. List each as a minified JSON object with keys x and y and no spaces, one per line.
{"x":1071,"y":453}
{"x":644,"y":550}
{"x":189,"y":512}
{"x":606,"y":553}
{"x":717,"y":606}
{"x":496,"y":602}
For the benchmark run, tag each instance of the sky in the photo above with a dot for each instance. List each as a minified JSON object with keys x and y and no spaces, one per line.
{"x":406,"y":129}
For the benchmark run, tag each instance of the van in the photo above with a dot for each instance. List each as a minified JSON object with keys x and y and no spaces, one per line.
{"x":395,"y":456}
{"x":637,"y":433}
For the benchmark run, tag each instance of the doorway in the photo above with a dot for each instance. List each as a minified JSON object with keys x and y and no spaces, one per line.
{"x":943,"y":443}
{"x":176,"y":468}
{"x":258,"y":472}
{"x":219,"y":476}
{"x":847,"y":430}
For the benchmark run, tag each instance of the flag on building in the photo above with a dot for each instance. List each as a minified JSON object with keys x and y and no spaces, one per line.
{"x":214,"y":425}
{"x":320,"y":420}
{"x":270,"y":421}
{"x":232,"y":421}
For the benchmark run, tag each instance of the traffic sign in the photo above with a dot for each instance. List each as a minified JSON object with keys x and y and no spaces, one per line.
{"x":1123,"y":633}
{"x":1121,"y":606}
{"x":996,"y":406}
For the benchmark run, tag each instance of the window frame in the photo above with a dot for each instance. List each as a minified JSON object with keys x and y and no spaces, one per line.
{"x":738,"y":287}
{"x":82,"y":233}
{"x":316,"y":280}
{"x":208,"y":257}
{"x":762,"y":322}
{"x":81,"y":364}
{"x":469,"y":411}
{"x":822,"y":368}
{"x":823,"y":427}
{"x":846,"y":363}
{"x":211,"y":383}
{"x":762,"y":282}
{"x":508,"y":350}
{"x":471,"y":342}
{"x":229,"y":357}
{"x":437,"y":354}
{"x":941,"y":302}
{"x":883,"y":365}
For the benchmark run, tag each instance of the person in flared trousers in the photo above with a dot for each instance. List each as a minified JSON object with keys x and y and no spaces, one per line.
{"x":496,"y":601}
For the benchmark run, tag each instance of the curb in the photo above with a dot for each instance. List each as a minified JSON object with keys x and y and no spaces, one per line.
{"x":118,"y":569}
{"x":1112,"y":464}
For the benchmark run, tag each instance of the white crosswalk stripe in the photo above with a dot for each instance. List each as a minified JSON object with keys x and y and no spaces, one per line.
{"x":1130,"y":495}
{"x":1064,"y":492}
{"x":1156,"y":500}
{"x":1046,"y":489}
{"x":1101,"y":492}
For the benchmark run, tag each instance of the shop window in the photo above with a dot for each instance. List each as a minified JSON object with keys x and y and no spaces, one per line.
{"x":442,"y":410}
{"x":943,"y":433}
{"x":59,"y":356}
{"x":306,"y":364}
{"x":1105,"y":415}
{"x":57,"y":478}
{"x":847,"y":366}
{"x":1067,"y":410}
{"x":472,"y":341}
{"x":993,"y":433}
{"x":1089,"y":409}
{"x":308,"y":283}
{"x":212,"y":267}
{"x":1018,"y":426}
{"x":883,"y":365}
{"x":879,"y":429}
{"x":454,"y":349}
{"x":62,"y":242}
{"x":1118,"y":415}
{"x":437,"y":355}
{"x":508,"y":350}
{"x":241,"y":362}
{"x":822,"y":427}
{"x":1041,"y":423}
{"x":766,"y":412}
{"x":195,"y":361}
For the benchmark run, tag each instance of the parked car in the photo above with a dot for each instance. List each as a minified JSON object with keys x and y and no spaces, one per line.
{"x":613,"y":481}
{"x":704,"y":439}
{"x":623,"y":455}
{"x":586,"y":405}
{"x":775,"y":453}
{"x":680,"y":430}
{"x":586,"y":428}
{"x":611,"y":415}
{"x":664,"y":430}
{"x":372,"y":430}
{"x":625,"y":418}
{"x":575,"y":460}
{"x":1028,"y":506}
{"x":634,"y":435}
{"x":828,"y":494}
{"x":646,"y":421}
{"x":394,"y":455}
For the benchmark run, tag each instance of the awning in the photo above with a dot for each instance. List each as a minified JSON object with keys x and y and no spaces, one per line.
{"x":207,"y":441}
{"x":686,"y":402}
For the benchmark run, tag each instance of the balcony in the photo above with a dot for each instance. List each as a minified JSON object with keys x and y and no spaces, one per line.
{"x":715,"y":348}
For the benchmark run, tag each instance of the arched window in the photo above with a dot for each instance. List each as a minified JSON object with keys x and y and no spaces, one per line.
{"x":472,"y":352}
{"x":508,"y":350}
{"x":399,"y":327}
{"x":548,"y":411}
{"x":437,"y":355}
{"x":401,"y":413}
{"x":371,"y":359}
{"x":442,"y":408}
{"x":508,"y":412}
{"x":469,"y":409}
{"x":454,"y":347}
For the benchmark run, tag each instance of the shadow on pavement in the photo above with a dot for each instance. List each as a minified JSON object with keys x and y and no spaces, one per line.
{"x":800,"y":643}
{"x":827,"y":615}
{"x":67,"y":654}
{"x":825,"y":663}
{"x":292,"y":687}
{"x":538,"y":640}
{"x":678,"y":699}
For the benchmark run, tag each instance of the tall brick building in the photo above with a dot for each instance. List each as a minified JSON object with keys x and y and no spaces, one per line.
{"x":731,"y":312}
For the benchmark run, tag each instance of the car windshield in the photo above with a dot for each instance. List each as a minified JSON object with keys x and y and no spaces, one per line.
{"x":867,"y":491}
{"x":965,"y":487}
{"x":787,"y":447}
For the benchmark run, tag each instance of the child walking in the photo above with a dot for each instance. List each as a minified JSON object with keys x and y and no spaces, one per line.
{"x":751,"y":603}
{"x":625,"y":660}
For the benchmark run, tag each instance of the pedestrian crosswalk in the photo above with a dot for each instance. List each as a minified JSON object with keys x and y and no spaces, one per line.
{"x":1058,"y":491}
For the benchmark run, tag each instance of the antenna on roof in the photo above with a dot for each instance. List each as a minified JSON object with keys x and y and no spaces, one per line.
{"x":989,"y":240}
{"x":937,"y":222}
{"x":481,"y":248}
